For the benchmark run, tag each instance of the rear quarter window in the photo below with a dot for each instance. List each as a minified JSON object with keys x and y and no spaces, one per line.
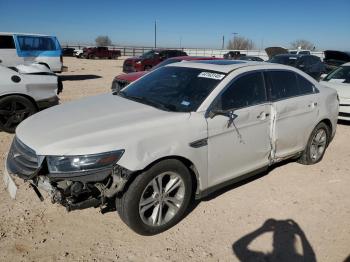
{"x":305,"y":86}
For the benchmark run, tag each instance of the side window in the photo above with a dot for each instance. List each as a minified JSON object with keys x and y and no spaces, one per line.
{"x":6,"y":42}
{"x":305,"y":86}
{"x":171,"y":53}
{"x":246,"y":90}
{"x":283,"y":84}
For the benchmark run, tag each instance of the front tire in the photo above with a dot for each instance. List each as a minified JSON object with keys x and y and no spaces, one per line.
{"x":157,"y":199}
{"x":316,"y":146}
{"x":13,"y":110}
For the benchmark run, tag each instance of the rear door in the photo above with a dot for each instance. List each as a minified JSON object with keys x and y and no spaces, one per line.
{"x":8,"y":52}
{"x":242,"y":145}
{"x":294,"y":110}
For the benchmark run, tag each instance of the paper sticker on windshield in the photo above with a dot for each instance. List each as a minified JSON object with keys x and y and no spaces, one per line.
{"x":185,"y":103}
{"x":211,"y":75}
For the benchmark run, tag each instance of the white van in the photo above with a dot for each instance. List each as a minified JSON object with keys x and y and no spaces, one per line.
{"x":18,"y":48}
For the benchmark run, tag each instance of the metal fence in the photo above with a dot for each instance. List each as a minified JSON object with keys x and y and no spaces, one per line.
{"x":137,"y":51}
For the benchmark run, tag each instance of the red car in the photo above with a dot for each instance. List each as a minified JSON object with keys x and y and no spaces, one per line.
{"x":149,"y":59}
{"x":122,"y":80}
{"x":100,"y":52}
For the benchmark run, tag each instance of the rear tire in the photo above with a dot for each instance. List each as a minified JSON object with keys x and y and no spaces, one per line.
{"x":157,"y":199}
{"x":316,"y":146}
{"x":13,"y":110}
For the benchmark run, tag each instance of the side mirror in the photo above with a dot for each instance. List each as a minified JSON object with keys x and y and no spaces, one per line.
{"x":323,"y":76}
{"x":228,"y":113}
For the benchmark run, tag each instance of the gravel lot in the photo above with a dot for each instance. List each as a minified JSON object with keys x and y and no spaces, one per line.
{"x":316,"y":198}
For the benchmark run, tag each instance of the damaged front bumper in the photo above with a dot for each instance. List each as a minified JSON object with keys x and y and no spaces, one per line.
{"x":72,"y":190}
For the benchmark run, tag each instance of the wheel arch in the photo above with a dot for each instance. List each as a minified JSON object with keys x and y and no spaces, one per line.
{"x":188,"y":163}
{"x":328,"y":123}
{"x":31,"y":99}
{"x":45,"y":64}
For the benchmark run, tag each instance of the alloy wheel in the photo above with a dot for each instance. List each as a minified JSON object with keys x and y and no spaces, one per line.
{"x":162,"y":199}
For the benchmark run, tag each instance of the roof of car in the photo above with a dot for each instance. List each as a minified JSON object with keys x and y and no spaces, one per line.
{"x":293,"y":55}
{"x":188,"y":58}
{"x":224,"y":66}
{"x":14,"y":33}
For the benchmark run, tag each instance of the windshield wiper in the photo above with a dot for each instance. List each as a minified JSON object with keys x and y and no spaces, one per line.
{"x":146,"y":101}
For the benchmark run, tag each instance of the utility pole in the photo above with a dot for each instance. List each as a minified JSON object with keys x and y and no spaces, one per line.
{"x":234,"y":40}
{"x":155,"y":33}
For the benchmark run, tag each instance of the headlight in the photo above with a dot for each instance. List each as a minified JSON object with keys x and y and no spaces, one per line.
{"x":62,"y":164}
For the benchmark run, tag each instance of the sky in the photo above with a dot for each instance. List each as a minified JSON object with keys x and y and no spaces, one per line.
{"x":181,"y":23}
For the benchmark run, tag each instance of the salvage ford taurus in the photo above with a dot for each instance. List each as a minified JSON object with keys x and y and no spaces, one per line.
{"x":179,"y":132}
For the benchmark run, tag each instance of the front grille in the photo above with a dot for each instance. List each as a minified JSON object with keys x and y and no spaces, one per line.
{"x":344,"y":114}
{"x":118,"y":85}
{"x":21,"y":159}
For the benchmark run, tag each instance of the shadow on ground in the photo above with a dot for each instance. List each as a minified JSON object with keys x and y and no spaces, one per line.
{"x":286,"y":233}
{"x":78,"y":77}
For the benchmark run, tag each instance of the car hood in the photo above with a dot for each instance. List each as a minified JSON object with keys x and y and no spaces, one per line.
{"x":275,"y":50}
{"x":93,"y":125}
{"x":133,"y":59}
{"x":343,"y":90}
{"x":337,"y":55}
{"x":131,"y":76}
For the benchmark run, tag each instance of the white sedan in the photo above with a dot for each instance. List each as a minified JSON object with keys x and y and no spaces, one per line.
{"x":24,"y":90}
{"x":339,"y":79}
{"x":179,"y":132}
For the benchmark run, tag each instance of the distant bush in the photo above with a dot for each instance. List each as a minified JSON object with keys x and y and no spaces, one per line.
{"x":103,"y":40}
{"x":240,"y":43}
{"x":303,"y":44}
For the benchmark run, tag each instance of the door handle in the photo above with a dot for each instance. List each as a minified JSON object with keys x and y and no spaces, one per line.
{"x":313,"y":104}
{"x":262,"y":115}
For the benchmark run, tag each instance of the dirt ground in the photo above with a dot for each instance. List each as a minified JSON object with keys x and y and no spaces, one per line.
{"x":316,"y":200}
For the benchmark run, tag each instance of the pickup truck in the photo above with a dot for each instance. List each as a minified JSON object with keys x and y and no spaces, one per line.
{"x":100,"y":52}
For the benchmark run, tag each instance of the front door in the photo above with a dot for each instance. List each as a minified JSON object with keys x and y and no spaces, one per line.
{"x":241,"y":145}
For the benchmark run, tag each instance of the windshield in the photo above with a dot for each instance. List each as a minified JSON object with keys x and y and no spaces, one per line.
{"x":176,"y":89}
{"x":341,"y":74}
{"x":285,"y":60}
{"x":148,"y":55}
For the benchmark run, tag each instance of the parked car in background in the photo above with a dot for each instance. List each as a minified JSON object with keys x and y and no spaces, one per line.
{"x":334,"y":59}
{"x":68,"y":51}
{"x":100,"y":52}
{"x":122,"y":80}
{"x":251,"y":58}
{"x":299,"y":52}
{"x":149,"y":59}
{"x":233,"y":55}
{"x":24,"y":90}
{"x":180,"y":132}
{"x":78,"y":53}
{"x":339,"y":79}
{"x":18,"y":48}
{"x":310,"y":64}
{"x":275,"y":50}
